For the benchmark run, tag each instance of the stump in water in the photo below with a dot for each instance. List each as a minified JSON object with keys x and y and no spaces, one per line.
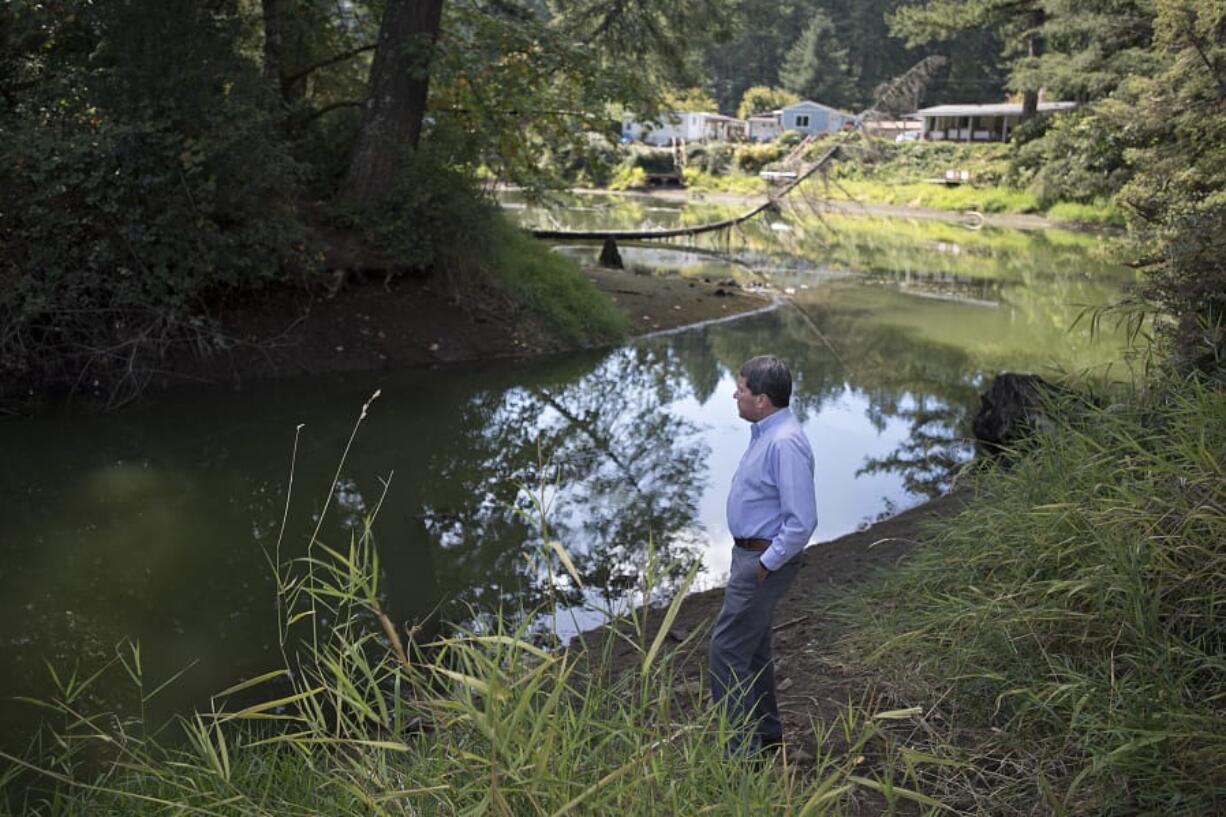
{"x":609,"y":256}
{"x":1011,"y":409}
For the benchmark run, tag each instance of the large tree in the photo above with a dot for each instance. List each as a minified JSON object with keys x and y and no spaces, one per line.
{"x":399,"y":84}
{"x":1176,"y":204}
{"x":1091,"y":46}
{"x":763,"y":99}
{"x":765,"y":30}
{"x":818,"y":65}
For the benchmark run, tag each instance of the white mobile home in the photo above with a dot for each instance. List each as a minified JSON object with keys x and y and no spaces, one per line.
{"x":689,"y":126}
{"x":812,"y":118}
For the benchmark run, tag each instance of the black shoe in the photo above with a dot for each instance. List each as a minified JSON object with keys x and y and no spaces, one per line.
{"x":771,"y":744}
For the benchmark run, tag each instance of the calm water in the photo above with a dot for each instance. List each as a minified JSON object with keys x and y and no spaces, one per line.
{"x":154,"y":523}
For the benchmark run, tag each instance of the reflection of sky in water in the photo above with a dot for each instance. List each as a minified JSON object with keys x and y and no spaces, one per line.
{"x":843,"y":440}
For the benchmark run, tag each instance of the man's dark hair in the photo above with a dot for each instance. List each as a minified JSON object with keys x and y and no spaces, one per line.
{"x":767,"y":374}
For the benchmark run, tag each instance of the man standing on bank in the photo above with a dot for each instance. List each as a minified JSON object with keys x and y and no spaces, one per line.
{"x":772,"y":512}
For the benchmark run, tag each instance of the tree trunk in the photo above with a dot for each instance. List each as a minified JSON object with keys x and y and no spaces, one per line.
{"x":399,"y":81}
{"x":1034,"y":49}
{"x":272,"y":42}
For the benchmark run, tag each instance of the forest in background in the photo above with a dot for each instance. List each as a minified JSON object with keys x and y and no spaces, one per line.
{"x":161,"y":161}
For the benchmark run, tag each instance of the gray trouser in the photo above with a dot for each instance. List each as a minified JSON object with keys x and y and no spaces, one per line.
{"x":742,"y":662}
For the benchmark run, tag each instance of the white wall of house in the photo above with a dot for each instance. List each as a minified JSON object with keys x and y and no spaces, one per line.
{"x":812,"y":118}
{"x":764,"y":127}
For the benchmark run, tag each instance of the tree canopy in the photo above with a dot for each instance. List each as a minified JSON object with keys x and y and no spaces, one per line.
{"x":763,"y":99}
{"x":818,"y":66}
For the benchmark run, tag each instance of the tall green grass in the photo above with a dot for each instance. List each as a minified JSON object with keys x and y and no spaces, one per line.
{"x":362,"y":719}
{"x":1067,"y":631}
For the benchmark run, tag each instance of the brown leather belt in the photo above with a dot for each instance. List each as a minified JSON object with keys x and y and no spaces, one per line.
{"x":752,"y":544}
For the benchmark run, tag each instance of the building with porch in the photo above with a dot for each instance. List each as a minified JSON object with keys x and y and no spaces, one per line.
{"x":977,"y":123}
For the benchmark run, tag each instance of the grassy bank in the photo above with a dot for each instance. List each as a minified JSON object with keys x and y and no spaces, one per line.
{"x":1065,"y":632}
{"x":106,"y":306}
{"x":550,"y":288}
{"x":492,"y":724}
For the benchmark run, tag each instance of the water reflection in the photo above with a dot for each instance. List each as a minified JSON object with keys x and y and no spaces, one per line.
{"x":601,"y":461}
{"x":154,"y":523}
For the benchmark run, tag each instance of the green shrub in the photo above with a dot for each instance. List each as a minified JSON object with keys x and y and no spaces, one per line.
{"x":1078,"y":158}
{"x":751,"y":158}
{"x":789,"y":138}
{"x":713,"y":157}
{"x":915,"y":161}
{"x":702,"y":181}
{"x":628,"y":177}
{"x":433,"y":223}
{"x":650,"y":159}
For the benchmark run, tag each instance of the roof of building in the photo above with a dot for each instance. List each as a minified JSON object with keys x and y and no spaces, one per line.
{"x":998,"y":109}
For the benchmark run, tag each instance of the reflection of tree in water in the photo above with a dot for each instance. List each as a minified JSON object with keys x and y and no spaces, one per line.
{"x":935,"y":446}
{"x":697,"y":360}
{"x":618,"y":469}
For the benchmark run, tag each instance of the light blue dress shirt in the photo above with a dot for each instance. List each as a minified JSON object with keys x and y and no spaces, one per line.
{"x":772,"y":495}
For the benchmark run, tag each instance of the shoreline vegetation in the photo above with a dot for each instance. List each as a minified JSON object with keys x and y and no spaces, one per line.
{"x":871,"y":172}
{"x":1044,"y":636}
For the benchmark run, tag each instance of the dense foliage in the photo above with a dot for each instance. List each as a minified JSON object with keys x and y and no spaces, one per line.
{"x":127,"y":208}
{"x":1065,"y":632}
{"x":1176,"y":202}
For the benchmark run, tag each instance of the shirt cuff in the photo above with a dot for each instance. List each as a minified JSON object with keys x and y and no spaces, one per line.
{"x":773,"y":558}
